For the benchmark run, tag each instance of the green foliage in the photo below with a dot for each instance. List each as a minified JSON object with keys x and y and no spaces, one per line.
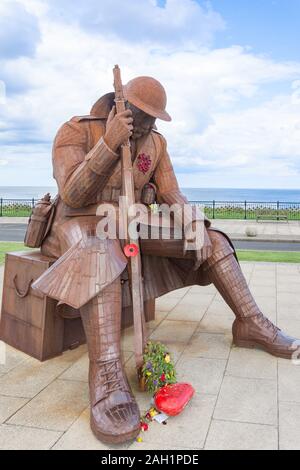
{"x":158,"y":368}
{"x":270,"y":256}
{"x":6,"y":247}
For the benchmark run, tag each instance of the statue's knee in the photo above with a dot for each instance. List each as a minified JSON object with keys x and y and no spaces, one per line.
{"x":221,"y":248}
{"x":218,"y":240}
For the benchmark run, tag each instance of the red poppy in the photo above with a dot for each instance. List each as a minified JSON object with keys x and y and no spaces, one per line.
{"x":144,"y":426}
{"x":163,"y":377}
{"x":143,"y":162}
{"x":131,"y":250}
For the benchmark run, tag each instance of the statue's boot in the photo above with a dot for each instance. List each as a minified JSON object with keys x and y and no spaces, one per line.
{"x":115,"y":416}
{"x":251,"y":328}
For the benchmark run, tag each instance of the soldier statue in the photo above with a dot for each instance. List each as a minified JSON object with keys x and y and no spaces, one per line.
{"x":87,"y":169}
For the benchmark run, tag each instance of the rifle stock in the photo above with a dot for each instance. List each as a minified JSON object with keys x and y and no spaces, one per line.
{"x":134,"y":265}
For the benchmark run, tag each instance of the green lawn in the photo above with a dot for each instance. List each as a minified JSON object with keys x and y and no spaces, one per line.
{"x":17,"y":213}
{"x":272,"y":256}
{"x":10,"y":246}
{"x":243,"y":255}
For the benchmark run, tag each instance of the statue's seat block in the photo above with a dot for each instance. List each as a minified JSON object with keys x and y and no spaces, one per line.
{"x":34,"y":323}
{"x":30,"y":321}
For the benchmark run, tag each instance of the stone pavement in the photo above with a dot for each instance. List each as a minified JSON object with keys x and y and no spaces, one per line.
{"x":13,"y":220}
{"x":266,"y":230}
{"x":245,"y":399}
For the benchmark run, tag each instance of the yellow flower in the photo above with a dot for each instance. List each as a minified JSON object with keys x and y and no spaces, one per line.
{"x":139,"y":439}
{"x":153,"y":412}
{"x":148,"y":373}
{"x":167,"y":358}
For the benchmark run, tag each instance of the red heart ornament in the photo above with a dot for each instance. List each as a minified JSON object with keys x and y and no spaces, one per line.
{"x":172,"y":399}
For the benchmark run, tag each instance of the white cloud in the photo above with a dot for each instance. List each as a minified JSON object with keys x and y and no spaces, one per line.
{"x":222,"y":122}
{"x":2,"y":92}
{"x":180,"y":22}
{"x":19,"y":32}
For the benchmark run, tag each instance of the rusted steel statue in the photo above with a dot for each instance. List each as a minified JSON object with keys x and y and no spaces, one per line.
{"x":91,"y":274}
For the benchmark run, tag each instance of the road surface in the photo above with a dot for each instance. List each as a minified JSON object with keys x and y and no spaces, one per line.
{"x":16,"y":233}
{"x":12,"y":232}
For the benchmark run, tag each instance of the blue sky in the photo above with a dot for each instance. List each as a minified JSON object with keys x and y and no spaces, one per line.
{"x":268,"y":26}
{"x":231,"y":70}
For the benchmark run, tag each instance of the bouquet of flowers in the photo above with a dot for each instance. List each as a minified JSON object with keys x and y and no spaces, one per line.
{"x":158,"y":369}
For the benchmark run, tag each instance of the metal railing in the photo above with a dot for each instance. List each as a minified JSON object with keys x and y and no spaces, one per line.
{"x":16,"y":207}
{"x":213,"y":209}
{"x":249,"y":209}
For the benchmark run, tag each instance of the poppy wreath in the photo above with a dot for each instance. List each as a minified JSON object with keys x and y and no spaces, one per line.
{"x":143,"y":163}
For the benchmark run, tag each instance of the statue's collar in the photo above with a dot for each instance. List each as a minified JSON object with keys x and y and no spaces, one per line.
{"x":103,"y":105}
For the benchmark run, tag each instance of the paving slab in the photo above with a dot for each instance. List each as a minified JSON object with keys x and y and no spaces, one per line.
{"x":289,"y":381}
{"x":55,"y":408}
{"x":172,"y":329}
{"x":191,"y":307}
{"x":9,"y":406}
{"x":252,"y":364}
{"x":226,"y":435}
{"x":204,"y":374}
{"x":212,"y":323}
{"x":31,"y":376}
{"x":214,"y":346}
{"x":247,"y":400}
{"x":26,"y":438}
{"x":289,"y":426}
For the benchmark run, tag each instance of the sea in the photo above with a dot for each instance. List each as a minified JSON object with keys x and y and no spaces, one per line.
{"x":193,"y":194}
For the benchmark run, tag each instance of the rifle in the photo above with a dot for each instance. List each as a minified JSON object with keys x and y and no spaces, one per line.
{"x":134,"y":265}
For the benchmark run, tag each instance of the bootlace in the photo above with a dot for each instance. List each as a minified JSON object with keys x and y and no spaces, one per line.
{"x":110,"y":369}
{"x":268,"y":324}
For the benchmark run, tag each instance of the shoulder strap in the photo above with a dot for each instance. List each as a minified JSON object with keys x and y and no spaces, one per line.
{"x":88,"y":117}
{"x":156,"y":131}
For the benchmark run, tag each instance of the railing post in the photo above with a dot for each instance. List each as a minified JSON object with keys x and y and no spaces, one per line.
{"x":277,"y":210}
{"x":214,"y":202}
{"x":32,"y":202}
{"x":245,"y":210}
{"x":1,"y":207}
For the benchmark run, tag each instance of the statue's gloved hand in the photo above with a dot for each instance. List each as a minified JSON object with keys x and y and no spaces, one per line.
{"x":118,"y":128}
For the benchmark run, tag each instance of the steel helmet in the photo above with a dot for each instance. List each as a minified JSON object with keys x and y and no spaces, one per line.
{"x":149,"y":95}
